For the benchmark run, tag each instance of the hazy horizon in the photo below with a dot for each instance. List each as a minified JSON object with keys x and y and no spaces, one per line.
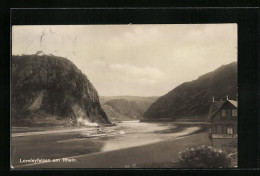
{"x":134,"y":60}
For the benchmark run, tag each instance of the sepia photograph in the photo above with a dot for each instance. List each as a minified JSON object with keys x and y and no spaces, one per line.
{"x":124,"y":96}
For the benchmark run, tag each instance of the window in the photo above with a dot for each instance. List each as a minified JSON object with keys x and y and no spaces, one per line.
{"x":234,"y":112}
{"x":223,"y":113}
{"x":230,"y":130}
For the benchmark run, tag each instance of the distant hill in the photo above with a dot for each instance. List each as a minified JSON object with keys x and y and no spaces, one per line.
{"x":120,"y":108}
{"x":195,"y":97}
{"x":52,"y":89}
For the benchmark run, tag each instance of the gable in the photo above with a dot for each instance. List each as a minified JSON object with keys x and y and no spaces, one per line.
{"x":234,"y":103}
{"x":228,"y":106}
{"x":218,"y":105}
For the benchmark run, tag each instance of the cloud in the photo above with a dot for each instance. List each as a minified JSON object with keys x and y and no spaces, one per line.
{"x":143,"y":74}
{"x":144,"y":60}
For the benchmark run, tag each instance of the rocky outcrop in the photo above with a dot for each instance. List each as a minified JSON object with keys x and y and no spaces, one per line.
{"x":44,"y":86}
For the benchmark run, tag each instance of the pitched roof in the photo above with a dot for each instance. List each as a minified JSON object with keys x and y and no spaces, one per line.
{"x":233,"y":102}
{"x":215,"y":106}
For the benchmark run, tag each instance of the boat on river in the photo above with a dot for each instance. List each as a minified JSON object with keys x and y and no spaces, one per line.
{"x":101,"y":133}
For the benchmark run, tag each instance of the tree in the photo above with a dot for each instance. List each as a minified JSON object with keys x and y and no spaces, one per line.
{"x":203,"y":157}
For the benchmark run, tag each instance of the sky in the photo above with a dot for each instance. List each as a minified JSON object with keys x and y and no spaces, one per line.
{"x":136,"y":60}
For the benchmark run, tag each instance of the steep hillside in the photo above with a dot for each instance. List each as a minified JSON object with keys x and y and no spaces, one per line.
{"x":195,"y":97}
{"x":126,"y":107}
{"x":49,"y":87}
{"x":104,"y":99}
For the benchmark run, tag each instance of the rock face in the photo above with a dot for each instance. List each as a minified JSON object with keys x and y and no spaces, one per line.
{"x":195,"y":97}
{"x":49,"y":86}
{"x":126,"y":107}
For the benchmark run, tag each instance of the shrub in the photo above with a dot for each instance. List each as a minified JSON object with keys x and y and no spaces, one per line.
{"x":203,"y":157}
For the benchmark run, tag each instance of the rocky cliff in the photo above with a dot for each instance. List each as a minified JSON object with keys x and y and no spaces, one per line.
{"x":49,"y":87}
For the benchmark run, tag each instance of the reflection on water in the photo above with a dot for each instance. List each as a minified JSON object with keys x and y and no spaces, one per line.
{"x":138,"y":134}
{"x":68,"y":144}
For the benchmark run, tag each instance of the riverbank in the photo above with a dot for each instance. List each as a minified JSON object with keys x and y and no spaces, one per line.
{"x":146,"y":156}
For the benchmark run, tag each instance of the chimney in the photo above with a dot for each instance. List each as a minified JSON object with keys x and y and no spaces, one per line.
{"x":213,"y":100}
{"x":227,"y":97}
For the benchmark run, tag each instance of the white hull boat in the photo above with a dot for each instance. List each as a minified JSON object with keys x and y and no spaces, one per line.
{"x":100,"y":133}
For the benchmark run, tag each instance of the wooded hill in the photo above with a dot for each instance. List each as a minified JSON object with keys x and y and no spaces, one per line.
{"x":50,"y":86}
{"x":195,"y":97}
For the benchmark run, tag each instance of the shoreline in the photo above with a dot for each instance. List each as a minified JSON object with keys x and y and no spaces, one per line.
{"x":42,"y":131}
{"x":158,"y":152}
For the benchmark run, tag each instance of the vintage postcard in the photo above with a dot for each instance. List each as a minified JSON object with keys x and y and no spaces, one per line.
{"x":124,"y":96}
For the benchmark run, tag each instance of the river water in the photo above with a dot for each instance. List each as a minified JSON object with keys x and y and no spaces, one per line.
{"x":67,"y":144}
{"x":138,"y":134}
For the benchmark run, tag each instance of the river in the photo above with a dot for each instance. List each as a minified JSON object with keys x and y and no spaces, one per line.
{"x":67,"y":144}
